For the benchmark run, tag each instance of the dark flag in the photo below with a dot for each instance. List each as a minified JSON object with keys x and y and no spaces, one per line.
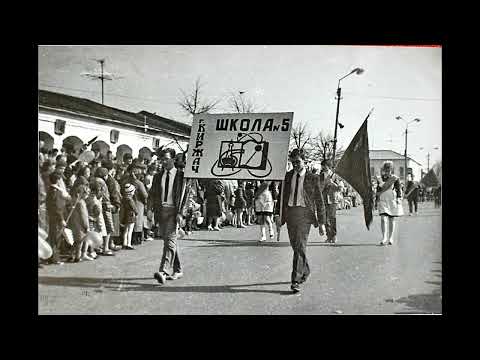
{"x":354,"y":167}
{"x":430,"y":179}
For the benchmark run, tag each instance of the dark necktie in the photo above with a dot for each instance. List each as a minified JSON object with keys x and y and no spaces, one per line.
{"x":296,"y":191}
{"x":165,"y":191}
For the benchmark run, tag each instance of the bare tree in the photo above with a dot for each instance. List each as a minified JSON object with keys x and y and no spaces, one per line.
{"x":322,"y":147}
{"x":194,"y":103}
{"x":238,"y":103}
{"x":300,"y":137}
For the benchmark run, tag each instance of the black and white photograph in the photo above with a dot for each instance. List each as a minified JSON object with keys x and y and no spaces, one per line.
{"x":240,"y":179}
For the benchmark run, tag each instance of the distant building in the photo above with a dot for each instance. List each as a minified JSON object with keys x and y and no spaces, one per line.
{"x":66,"y":119}
{"x":378,"y":157}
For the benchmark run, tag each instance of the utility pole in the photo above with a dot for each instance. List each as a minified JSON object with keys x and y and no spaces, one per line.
{"x":102,"y":76}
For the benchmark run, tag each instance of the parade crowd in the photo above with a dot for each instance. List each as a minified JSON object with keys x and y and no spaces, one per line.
{"x":106,"y":205}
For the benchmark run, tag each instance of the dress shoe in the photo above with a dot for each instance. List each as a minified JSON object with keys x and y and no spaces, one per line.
{"x":295,"y":287}
{"x":383,"y":243}
{"x":160,"y":277}
{"x":175,"y":276}
{"x":390,"y":242}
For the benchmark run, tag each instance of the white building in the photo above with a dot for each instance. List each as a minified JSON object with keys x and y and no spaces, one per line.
{"x":378,"y":157}
{"x":68,"y":119}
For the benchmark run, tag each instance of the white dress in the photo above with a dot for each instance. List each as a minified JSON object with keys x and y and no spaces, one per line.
{"x":387,"y":203}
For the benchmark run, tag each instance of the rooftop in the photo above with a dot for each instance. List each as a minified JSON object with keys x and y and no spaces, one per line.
{"x":87,"y":107}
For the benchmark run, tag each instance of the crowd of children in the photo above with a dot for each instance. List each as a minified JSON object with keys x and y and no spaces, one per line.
{"x":87,"y":209}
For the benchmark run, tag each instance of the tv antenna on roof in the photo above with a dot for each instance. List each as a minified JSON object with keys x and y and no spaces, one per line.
{"x":103,"y":75}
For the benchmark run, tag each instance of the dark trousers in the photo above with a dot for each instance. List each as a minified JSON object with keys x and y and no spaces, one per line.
{"x":331,"y":225}
{"x":411,"y":202}
{"x":168,"y":231}
{"x":298,"y":226}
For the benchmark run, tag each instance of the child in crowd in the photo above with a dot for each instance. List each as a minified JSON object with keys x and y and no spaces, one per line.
{"x":250,"y":202}
{"x":264,"y":209}
{"x":79,"y":222}
{"x":128,"y":214}
{"x":95,"y":213}
{"x":55,"y":203}
{"x":240,"y":203}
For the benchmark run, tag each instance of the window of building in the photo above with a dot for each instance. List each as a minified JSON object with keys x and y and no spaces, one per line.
{"x":114,"y":136}
{"x":156,"y":143}
{"x":59,"y":127}
{"x":372,"y":171}
{"x":401,"y":171}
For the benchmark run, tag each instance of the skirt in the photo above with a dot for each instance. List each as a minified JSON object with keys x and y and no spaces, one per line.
{"x":387,"y":204}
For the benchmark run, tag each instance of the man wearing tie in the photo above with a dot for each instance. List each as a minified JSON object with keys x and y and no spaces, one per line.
{"x":302,"y":206}
{"x":166,"y":195}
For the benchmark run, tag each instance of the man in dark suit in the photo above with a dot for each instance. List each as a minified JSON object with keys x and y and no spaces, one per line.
{"x":167,"y":201}
{"x":302,"y":206}
{"x":411,"y":193}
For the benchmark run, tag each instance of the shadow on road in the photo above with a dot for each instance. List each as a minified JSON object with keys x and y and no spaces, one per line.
{"x":126,"y":284}
{"x":424,"y":303}
{"x":236,"y":243}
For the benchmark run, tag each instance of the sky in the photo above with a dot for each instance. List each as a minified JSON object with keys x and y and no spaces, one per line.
{"x":397,"y":81}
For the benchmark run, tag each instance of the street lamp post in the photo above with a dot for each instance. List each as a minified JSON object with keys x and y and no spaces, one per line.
{"x":428,"y":157}
{"x":406,"y":136}
{"x":357,"y":71}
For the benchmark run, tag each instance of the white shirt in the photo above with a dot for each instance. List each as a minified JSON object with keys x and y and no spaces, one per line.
{"x":300,"y":198}
{"x":171,"y":178}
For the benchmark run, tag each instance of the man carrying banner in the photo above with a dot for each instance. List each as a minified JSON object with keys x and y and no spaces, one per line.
{"x":330,"y":189}
{"x":302,"y":206}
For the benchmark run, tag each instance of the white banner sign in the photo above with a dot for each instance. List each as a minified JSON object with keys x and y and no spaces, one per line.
{"x":239,"y":146}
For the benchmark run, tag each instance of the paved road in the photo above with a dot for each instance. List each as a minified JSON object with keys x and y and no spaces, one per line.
{"x":229,"y":272}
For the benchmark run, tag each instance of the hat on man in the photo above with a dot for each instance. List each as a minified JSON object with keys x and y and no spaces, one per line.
{"x":129,"y":189}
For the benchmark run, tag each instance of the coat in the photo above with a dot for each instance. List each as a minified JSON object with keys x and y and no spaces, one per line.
{"x":312,"y":194}
{"x":78,"y":221}
{"x":128,"y":211}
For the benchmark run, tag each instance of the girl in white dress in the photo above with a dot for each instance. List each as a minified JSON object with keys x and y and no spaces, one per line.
{"x":389,"y":202}
{"x":264,"y":209}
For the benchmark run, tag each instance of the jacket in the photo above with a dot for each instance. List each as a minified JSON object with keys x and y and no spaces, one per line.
{"x":155,"y":201}
{"x":312,"y":194}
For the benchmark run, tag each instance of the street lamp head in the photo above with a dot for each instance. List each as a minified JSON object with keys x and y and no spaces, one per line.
{"x":417,"y":120}
{"x":358,"y":71}
{"x":341,"y":125}
{"x":398,"y":118}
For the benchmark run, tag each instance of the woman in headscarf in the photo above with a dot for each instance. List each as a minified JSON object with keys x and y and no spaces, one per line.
{"x":389,"y":203}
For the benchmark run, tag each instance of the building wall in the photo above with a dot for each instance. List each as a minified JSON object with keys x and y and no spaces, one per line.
{"x":397,"y":164}
{"x":87,"y":128}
